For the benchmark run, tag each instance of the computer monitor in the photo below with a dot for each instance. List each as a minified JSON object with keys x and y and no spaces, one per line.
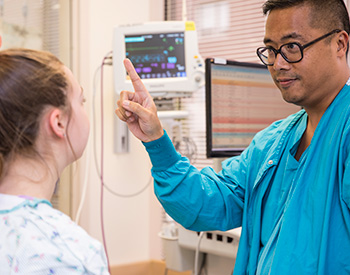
{"x":241,"y":99}
{"x":165,"y":55}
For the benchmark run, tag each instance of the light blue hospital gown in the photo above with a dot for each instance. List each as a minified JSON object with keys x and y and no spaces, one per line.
{"x":37,"y":239}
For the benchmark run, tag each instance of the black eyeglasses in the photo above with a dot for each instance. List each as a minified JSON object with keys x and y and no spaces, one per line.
{"x":292,"y":52}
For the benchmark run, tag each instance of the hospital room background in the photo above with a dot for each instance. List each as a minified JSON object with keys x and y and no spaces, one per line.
{"x":124,"y":213}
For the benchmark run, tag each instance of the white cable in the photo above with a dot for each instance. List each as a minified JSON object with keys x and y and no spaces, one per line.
{"x":95,"y":82}
{"x":85,"y":184}
{"x":91,"y":118}
{"x":132,"y":194}
{"x":83,"y":195}
{"x":196,"y":257}
{"x":94,"y":118}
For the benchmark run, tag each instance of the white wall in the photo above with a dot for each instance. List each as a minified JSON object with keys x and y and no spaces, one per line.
{"x":131,"y":224}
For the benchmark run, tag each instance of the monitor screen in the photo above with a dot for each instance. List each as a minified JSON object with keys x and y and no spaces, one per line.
{"x":241,"y":99}
{"x":157,"y":55}
{"x":165,"y":55}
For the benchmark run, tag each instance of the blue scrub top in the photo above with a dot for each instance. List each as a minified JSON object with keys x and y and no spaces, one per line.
{"x":312,"y":233}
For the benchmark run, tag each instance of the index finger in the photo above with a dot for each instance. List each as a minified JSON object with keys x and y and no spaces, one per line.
{"x":135,"y":79}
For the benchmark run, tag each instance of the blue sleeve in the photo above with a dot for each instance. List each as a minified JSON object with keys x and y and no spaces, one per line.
{"x":199,"y":200}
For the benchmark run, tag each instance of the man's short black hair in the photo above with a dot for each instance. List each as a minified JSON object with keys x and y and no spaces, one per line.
{"x":325,"y":14}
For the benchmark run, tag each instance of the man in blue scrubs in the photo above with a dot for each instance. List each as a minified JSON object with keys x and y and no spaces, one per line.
{"x":290,"y":189}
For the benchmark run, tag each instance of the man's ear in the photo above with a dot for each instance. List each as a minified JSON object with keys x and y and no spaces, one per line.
{"x":58,"y":122}
{"x":342,"y":43}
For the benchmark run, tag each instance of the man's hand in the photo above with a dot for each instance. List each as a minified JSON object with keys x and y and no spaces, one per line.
{"x":138,"y":110}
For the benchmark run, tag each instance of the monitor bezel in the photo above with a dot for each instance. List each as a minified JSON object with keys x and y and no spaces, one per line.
{"x":161,"y":87}
{"x":209,"y":141}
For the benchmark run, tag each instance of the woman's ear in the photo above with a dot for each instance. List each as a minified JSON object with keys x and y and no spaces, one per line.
{"x":58,"y":122}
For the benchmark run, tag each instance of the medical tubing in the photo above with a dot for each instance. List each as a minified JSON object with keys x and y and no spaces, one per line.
{"x":132,"y":194}
{"x":88,"y":154}
{"x":102,"y":163}
{"x":94,"y":121}
{"x":203,"y":265}
{"x":196,"y":257}
{"x":94,"y":141}
{"x":85,"y":184}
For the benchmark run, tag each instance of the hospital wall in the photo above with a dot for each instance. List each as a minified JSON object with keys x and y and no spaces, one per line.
{"x":130,"y":224}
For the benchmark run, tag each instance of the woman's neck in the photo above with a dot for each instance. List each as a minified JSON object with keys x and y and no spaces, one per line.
{"x":29,"y":177}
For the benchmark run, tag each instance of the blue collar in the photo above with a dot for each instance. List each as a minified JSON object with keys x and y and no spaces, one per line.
{"x":10,"y":203}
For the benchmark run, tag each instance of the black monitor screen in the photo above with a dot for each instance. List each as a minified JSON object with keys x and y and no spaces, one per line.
{"x":241,"y":99}
{"x":160,"y":55}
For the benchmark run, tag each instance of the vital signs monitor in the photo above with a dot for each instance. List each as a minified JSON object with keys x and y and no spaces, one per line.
{"x":165,"y":55}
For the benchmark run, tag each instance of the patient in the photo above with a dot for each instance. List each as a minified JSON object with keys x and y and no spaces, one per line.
{"x":43,"y":129}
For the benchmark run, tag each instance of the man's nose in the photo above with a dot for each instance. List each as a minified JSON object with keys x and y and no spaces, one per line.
{"x":280,"y":63}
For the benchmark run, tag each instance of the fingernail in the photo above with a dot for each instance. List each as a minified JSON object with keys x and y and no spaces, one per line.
{"x":126,"y":103}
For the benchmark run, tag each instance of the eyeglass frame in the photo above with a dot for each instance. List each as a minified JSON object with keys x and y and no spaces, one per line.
{"x":301,"y":47}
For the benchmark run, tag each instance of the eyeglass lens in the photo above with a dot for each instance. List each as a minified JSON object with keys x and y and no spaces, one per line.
{"x":291,"y":52}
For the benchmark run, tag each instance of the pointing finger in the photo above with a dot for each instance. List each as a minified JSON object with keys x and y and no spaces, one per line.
{"x":135,"y":79}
